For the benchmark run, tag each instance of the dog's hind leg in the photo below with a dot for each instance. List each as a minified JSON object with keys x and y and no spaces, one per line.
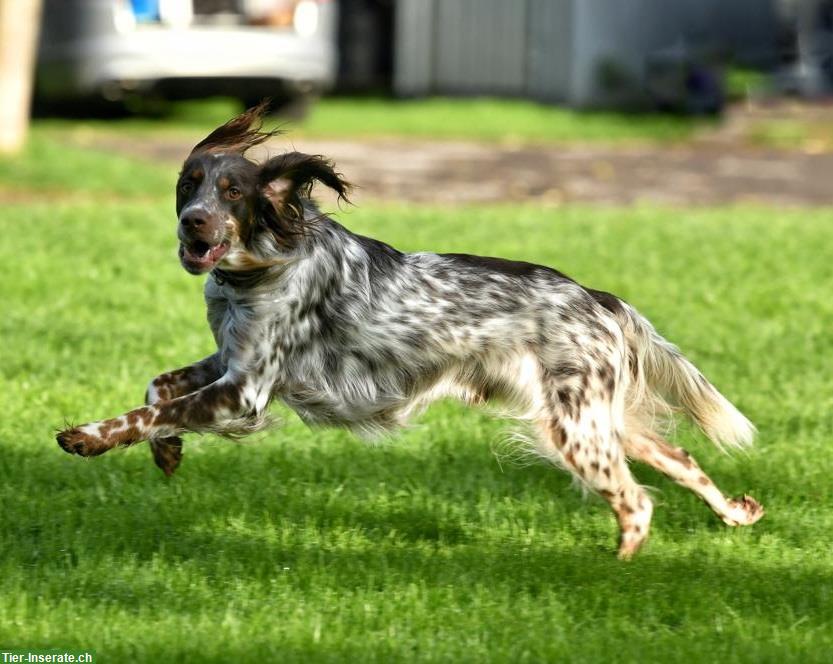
{"x":678,"y":465}
{"x":582,"y":432}
{"x":167,"y":452}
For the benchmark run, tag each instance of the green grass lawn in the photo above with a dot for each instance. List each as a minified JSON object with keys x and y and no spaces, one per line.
{"x":477,"y":118}
{"x":302,"y":545}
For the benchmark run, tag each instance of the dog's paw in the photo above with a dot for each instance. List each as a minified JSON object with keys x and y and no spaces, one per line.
{"x":629,"y":544}
{"x":167,"y":453}
{"x":81,"y":441}
{"x":745,"y":511}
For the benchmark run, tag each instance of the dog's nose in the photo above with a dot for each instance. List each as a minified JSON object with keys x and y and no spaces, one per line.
{"x":192,"y":222}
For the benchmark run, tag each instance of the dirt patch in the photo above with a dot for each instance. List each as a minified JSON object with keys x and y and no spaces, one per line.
{"x":717,"y":168}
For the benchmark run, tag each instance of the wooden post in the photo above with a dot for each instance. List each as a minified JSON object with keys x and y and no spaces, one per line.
{"x":19,"y":25}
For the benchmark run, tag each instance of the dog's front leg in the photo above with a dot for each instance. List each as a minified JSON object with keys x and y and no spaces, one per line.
{"x":179,"y":382}
{"x":224,"y":406}
{"x":167,"y":451}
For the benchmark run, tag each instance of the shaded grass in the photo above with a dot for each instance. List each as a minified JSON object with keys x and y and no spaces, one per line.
{"x":311,"y":546}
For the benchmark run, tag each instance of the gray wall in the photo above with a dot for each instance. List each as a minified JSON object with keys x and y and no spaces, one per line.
{"x":565,"y":50}
{"x":625,"y":32}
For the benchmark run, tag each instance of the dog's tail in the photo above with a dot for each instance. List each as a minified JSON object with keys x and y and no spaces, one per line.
{"x":662,"y":379}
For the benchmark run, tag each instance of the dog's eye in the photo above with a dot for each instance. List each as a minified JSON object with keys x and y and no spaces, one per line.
{"x":233,"y":193}
{"x":186,"y":188}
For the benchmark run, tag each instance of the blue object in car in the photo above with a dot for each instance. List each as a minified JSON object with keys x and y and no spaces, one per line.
{"x":145,"y":10}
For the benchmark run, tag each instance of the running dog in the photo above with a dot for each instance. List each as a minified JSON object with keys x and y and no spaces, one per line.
{"x":350,"y":332}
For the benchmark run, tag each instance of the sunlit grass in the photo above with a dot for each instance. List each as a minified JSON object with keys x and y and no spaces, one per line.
{"x":489,"y":119}
{"x":808,"y":135}
{"x":485,"y":119}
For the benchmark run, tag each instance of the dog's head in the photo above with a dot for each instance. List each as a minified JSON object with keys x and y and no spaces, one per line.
{"x":237,"y":214}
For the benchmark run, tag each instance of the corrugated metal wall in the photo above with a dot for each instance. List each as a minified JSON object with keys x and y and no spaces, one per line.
{"x":549,"y":49}
{"x":488,"y":53}
{"x":514,"y":48}
{"x":413,"y":67}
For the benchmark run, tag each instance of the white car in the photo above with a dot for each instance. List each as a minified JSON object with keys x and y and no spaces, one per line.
{"x":284,"y":49}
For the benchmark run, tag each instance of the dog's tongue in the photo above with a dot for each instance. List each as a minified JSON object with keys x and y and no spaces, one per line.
{"x":216,"y":253}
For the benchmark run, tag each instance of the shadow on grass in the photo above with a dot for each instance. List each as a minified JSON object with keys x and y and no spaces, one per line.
{"x":353,"y":519}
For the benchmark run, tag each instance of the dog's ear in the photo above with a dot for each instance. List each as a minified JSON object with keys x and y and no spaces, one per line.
{"x":285,"y":178}
{"x":240,"y":133}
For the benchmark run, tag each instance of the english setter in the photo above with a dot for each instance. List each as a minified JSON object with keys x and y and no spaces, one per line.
{"x":350,"y":332}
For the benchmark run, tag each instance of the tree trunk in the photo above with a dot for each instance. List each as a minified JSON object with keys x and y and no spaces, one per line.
{"x":19,"y":25}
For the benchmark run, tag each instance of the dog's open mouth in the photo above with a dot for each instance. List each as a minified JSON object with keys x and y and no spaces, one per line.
{"x":199,"y":256}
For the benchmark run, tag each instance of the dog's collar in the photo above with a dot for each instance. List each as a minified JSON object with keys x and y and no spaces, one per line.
{"x":235,"y":279}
